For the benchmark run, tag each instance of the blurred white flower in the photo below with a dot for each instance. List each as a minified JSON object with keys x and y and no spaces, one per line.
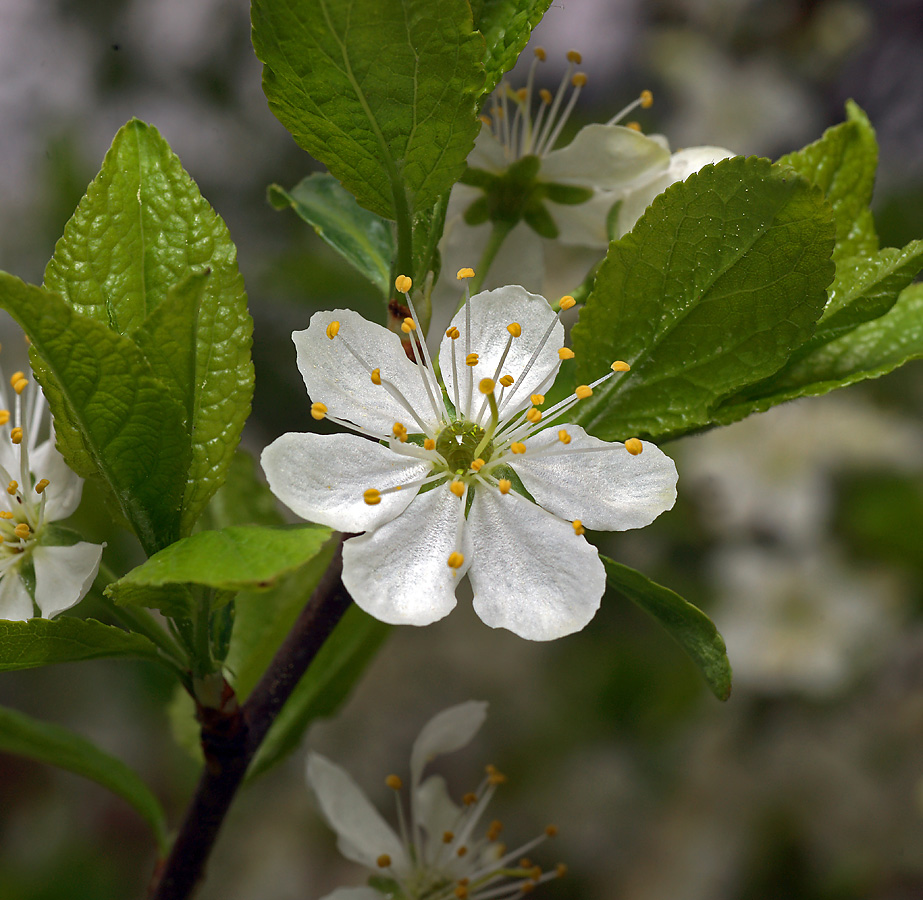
{"x":440,"y":850}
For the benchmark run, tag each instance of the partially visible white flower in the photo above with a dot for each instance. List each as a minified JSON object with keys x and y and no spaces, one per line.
{"x":39,"y":489}
{"x":467,"y":475}
{"x":441,"y":850}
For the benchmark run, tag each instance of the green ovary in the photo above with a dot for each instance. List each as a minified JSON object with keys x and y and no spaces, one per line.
{"x":458,"y":442}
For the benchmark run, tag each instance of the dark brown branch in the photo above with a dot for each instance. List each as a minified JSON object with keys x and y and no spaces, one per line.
{"x":232,"y":735}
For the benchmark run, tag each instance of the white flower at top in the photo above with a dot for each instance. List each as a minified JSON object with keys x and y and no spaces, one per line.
{"x":39,"y":489}
{"x":441,"y":850}
{"x":471,"y":474}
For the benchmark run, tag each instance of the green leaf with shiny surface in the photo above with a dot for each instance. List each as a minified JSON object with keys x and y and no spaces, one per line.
{"x":719,"y":281}
{"x":687,"y":624}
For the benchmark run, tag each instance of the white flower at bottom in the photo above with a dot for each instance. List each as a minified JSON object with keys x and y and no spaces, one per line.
{"x":39,"y":488}
{"x":441,"y":851}
{"x":470,"y":475}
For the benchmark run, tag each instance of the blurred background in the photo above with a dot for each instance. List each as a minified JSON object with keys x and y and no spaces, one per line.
{"x":798,"y":531}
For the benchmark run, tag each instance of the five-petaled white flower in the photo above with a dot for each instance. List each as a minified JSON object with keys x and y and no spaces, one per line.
{"x":474,"y":478}
{"x":40,"y":488}
{"x":441,"y":851}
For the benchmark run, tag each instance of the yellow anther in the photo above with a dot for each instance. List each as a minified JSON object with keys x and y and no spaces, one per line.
{"x":514,"y":328}
{"x":383,"y":861}
{"x":400,"y":432}
{"x":620,"y":366}
{"x":461,"y":851}
{"x":394,"y":781}
{"x":16,"y":435}
{"x":518,"y":447}
{"x":583,"y":391}
{"x":318,"y":411}
{"x":497,"y":112}
{"x":22,"y":531}
{"x":574,"y":56}
{"x":471,"y":359}
{"x":494,"y":829}
{"x":470,"y":798}
{"x":372,"y":497}
{"x":563,"y":437}
{"x":448,"y":837}
{"x":560,"y":870}
{"x":647,"y":99}
{"x":551,"y":830}
{"x":18,"y":381}
{"x":403,"y":283}
{"x":485,"y":120}
{"x":565,"y":353}
{"x":486,"y":386}
{"x":333,"y":329}
{"x":4,"y":416}
{"x":478,"y":464}
{"x":521,"y":95}
{"x":408,"y":325}
{"x":567,"y":302}
{"x":534,"y":415}
{"x":461,"y":892}
{"x":376,"y":376}
{"x":527,"y":887}
{"x":429,"y":444}
{"x":634,"y":446}
{"x":535,"y":873}
{"x":457,"y":488}
{"x":579,"y":80}
{"x":504,"y":485}
{"x":578,"y":527}
{"x":12,"y":487}
{"x":5,"y":514}
{"x":634,"y":126}
{"x":456,"y":560}
{"x":537,"y":399}
{"x":540,"y":53}
{"x":40,"y":487}
{"x":453,"y":333}
{"x":545,"y":94}
{"x":465,"y":272}
{"x":506,"y":380}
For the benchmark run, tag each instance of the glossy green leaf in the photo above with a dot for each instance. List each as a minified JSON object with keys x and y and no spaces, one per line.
{"x":42,"y":642}
{"x":361,"y":237}
{"x":720,"y":280}
{"x":687,"y":624}
{"x":114,"y":421}
{"x":56,"y":746}
{"x":383,"y":92}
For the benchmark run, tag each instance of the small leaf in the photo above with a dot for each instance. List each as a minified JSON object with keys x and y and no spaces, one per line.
{"x":361,"y":237}
{"x":720,"y":280}
{"x":56,"y":746}
{"x":507,"y":26}
{"x":42,"y":642}
{"x":687,"y":624}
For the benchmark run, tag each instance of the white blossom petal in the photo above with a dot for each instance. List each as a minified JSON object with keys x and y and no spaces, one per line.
{"x":322,"y":478}
{"x":15,"y":602}
{"x":333,"y":376}
{"x":399,"y":573}
{"x":490,"y":314}
{"x":488,"y":152}
{"x":363,"y":835}
{"x":530,"y":573}
{"x":63,"y":575}
{"x":446,"y":732}
{"x":65,"y":487}
{"x":436,"y":812}
{"x":354,"y":893}
{"x":584,"y":224}
{"x":610,"y":157}
{"x":607,"y":488}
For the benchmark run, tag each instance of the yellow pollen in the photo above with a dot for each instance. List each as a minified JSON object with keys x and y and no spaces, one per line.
{"x":506,"y":380}
{"x":504,"y":485}
{"x":563,"y":437}
{"x":461,"y":851}
{"x":486,"y":386}
{"x":647,"y":99}
{"x":318,"y":411}
{"x":470,"y":798}
{"x":22,"y":531}
{"x":545,"y":94}
{"x":456,"y":560}
{"x":4,"y":416}
{"x":579,"y":80}
{"x":634,"y":126}
{"x":560,"y":870}
{"x":12,"y":487}
{"x":583,"y":391}
{"x":620,"y":366}
{"x":333,"y":329}
{"x":403,"y":283}
{"x":16,"y":435}
{"x":527,"y":887}
{"x":578,"y":527}
{"x":383,"y":861}
{"x":497,"y":111}
{"x":5,"y":514}
{"x":514,"y":328}
{"x":521,"y":95}
{"x":567,"y":302}
{"x":478,"y":464}
{"x":471,"y":359}
{"x":453,"y":333}
{"x":457,"y":488}
{"x":461,"y":892}
{"x":574,"y":56}
{"x":394,"y":781}
{"x":551,"y":830}
{"x":372,"y":497}
{"x":399,"y":430}
{"x":429,"y":444}
{"x":634,"y":446}
{"x":408,"y":325}
{"x":493,"y":831}
{"x":518,"y":447}
{"x":540,"y":53}
{"x":485,"y":120}
{"x":40,"y":487}
{"x":447,"y":837}
{"x":376,"y":376}
{"x":465,"y":273}
{"x":534,"y":415}
{"x":537,"y":399}
{"x":565,"y":353}
{"x":535,"y":873}
{"x":18,"y":381}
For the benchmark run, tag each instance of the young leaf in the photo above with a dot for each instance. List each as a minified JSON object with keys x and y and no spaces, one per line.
{"x":56,"y":746}
{"x":134,"y":243}
{"x":687,"y":624}
{"x":114,"y":421}
{"x":720,"y":280}
{"x":383,"y":92}
{"x":362,"y":238}
{"x":42,"y":642}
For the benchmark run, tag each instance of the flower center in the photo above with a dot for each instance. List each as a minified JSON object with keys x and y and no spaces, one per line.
{"x":458,"y":442}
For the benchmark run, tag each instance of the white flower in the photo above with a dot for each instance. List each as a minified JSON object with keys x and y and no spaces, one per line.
{"x":40,"y":489}
{"x":438,"y":852}
{"x":471,"y":478}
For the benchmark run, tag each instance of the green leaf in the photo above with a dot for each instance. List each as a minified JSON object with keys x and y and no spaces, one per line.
{"x":720,"y":280}
{"x":687,"y":624}
{"x":52,"y":744}
{"x":232,"y":559}
{"x":42,"y":642}
{"x":137,"y":236}
{"x":383,"y":92}
{"x":507,"y":26}
{"x":114,"y":421}
{"x":842,"y":163}
{"x":361,"y":237}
